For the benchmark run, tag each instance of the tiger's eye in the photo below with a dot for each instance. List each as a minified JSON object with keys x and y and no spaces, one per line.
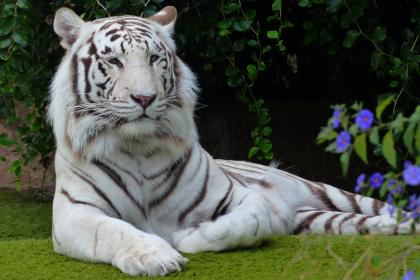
{"x":115,"y":61}
{"x":153,"y":58}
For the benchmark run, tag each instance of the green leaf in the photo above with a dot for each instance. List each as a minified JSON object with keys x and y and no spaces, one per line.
{"x":5,"y":43}
{"x":277,"y":5}
{"x":252,"y":43}
{"x":303,"y":3}
{"x":252,"y":152}
{"x":6,"y":141}
{"x":360,"y":147}
{"x":333,"y":5}
{"x":273,"y":34}
{"x":20,"y":39}
{"x":398,"y":123}
{"x":417,"y":138}
{"x":269,"y":156}
{"x":267,"y":131}
{"x":23,"y":4}
{"x":231,"y":71}
{"x":374,"y":135}
{"x":224,"y":24}
{"x":2,"y":158}
{"x":376,"y":60}
{"x":7,"y":26}
{"x":231,"y":7}
{"x":408,"y":137}
{"x":265,"y":145}
{"x":351,"y":37}
{"x":388,"y":149}
{"x":242,"y":25}
{"x":252,"y":71}
{"x":345,"y":160}
{"x":16,"y":167}
{"x":224,"y":32}
{"x":382,"y":106}
{"x":393,"y":84}
{"x":379,"y":34}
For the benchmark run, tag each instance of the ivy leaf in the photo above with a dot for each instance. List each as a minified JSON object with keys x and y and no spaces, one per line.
{"x":5,"y":43}
{"x":360,"y":147}
{"x":265,"y":145}
{"x":388,"y":149}
{"x":267,"y":131}
{"x":351,"y":37}
{"x":379,"y":34}
{"x":382,"y":106}
{"x":7,"y":26}
{"x":277,"y":5}
{"x":269,"y":156}
{"x":273,"y":34}
{"x":23,"y":4}
{"x":20,"y":39}
{"x":252,"y":152}
{"x":231,"y":7}
{"x":231,"y":71}
{"x":224,"y":24}
{"x":252,"y":43}
{"x":242,"y":25}
{"x":224,"y":32}
{"x":252,"y":71}
{"x":303,"y":3}
{"x":333,"y":5}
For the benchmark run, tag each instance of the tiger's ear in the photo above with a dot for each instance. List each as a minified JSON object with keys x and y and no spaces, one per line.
{"x":67,"y":25}
{"x":166,"y":17}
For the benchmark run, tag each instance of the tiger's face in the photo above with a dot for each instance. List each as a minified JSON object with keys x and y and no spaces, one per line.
{"x":122,"y":75}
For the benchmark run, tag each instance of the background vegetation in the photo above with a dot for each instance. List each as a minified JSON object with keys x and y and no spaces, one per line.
{"x":264,"y":52}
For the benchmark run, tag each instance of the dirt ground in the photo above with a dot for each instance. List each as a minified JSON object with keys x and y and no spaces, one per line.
{"x":34,"y":176}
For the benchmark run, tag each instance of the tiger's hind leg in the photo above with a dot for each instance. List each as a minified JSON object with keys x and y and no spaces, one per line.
{"x":246,"y":223}
{"x":311,"y":220}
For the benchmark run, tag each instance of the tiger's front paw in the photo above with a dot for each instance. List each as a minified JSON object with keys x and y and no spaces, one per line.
{"x":149,"y":257}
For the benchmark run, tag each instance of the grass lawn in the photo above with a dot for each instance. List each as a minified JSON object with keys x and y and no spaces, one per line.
{"x":26,"y":253}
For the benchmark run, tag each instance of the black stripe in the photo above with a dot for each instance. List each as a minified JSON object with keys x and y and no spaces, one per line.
{"x":328,"y":223}
{"x":99,"y":192}
{"x":306,"y":223}
{"x":377,"y":206}
{"x":360,"y":224}
{"x":114,"y":176}
{"x":200,"y":196}
{"x":172,"y":187}
{"x":322,"y":195}
{"x":75,"y":201}
{"x":350,"y":216}
{"x":217,"y":211}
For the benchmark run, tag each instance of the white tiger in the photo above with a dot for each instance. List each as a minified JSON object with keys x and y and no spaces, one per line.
{"x":133,"y":184}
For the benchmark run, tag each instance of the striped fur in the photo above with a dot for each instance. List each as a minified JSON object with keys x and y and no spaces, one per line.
{"x":134,"y":186}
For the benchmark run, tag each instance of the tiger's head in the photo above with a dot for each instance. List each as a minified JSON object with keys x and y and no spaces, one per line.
{"x":120,"y":81}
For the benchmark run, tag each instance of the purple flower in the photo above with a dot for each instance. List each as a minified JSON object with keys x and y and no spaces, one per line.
{"x":414,"y":206}
{"x":409,"y":275}
{"x":411,"y":174}
{"x":391,"y":206}
{"x":376,"y":180}
{"x":336,"y":118}
{"x":359,"y":182}
{"x":364,"y":119}
{"x":343,"y":140}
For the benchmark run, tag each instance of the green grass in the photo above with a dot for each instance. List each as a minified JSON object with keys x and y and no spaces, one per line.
{"x":26,"y":253}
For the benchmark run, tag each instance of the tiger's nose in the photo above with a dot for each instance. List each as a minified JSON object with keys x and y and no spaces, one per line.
{"x":143,"y":100}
